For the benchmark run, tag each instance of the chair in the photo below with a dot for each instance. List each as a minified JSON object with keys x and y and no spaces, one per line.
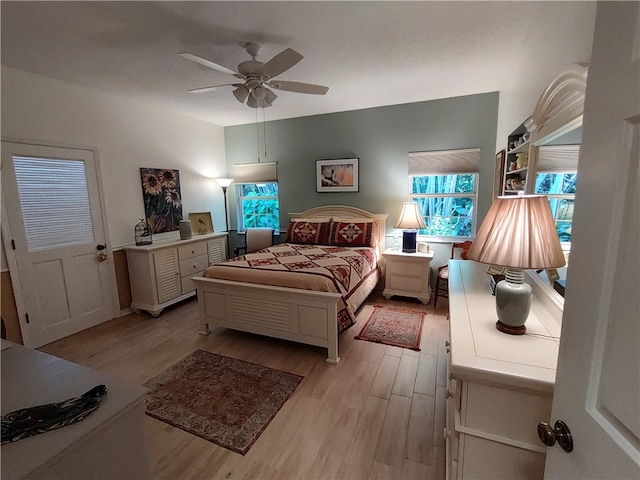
{"x":442,"y":277}
{"x":256,"y":239}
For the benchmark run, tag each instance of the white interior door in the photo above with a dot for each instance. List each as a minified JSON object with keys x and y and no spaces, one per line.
{"x":52,"y":206}
{"x":598,"y":378}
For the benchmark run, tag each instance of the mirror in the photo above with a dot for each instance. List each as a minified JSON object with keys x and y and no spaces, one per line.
{"x":556,"y":134}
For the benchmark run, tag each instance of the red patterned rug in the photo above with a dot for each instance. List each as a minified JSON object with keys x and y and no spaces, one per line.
{"x":226,"y":401}
{"x":392,"y":326}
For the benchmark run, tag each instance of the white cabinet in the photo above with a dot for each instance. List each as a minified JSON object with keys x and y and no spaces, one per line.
{"x":500,"y":386}
{"x":407,"y":274}
{"x":108,"y":444}
{"x":160,"y":274}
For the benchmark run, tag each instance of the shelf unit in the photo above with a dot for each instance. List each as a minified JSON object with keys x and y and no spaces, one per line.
{"x":515,"y":179}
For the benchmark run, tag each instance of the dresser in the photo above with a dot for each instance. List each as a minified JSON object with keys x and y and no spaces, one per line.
{"x":407,"y":274}
{"x":160,"y":274}
{"x":500,"y":386}
{"x":109,"y":443}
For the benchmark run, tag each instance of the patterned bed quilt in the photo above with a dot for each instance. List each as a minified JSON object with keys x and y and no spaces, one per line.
{"x":351,"y":271}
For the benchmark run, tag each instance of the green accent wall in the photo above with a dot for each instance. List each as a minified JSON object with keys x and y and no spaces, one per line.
{"x":380,"y":137}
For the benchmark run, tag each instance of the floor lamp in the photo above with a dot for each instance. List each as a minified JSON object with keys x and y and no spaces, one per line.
{"x":224,"y":184}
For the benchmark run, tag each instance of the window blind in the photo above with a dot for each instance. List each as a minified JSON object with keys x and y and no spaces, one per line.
{"x":54,"y":199}
{"x":444,"y":162}
{"x":558,"y":158}
{"x":255,"y":172}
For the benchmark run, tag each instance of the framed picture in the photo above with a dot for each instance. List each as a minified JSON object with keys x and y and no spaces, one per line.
{"x":201,"y":223}
{"x":498,"y":180}
{"x":162,"y":200}
{"x":339,"y":175}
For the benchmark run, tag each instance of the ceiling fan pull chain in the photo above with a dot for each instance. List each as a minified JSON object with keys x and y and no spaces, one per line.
{"x":264,"y":126}
{"x":257,"y":136}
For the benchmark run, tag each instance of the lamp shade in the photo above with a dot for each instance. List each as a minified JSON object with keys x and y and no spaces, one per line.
{"x":224,"y":182}
{"x":410,"y":217}
{"x":518,"y":232}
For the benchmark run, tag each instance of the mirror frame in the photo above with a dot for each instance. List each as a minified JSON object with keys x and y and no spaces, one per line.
{"x":559,"y":110}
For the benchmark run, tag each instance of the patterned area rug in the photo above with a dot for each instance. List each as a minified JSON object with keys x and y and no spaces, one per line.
{"x":226,"y":401}
{"x":392,"y":326}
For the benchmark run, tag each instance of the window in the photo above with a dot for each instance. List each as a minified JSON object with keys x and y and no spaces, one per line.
{"x":556,"y":177}
{"x":259,"y":206}
{"x":54,"y":199}
{"x":444,"y":184}
{"x":560,"y":188}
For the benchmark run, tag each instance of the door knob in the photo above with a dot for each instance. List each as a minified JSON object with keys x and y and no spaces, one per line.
{"x":560,"y":433}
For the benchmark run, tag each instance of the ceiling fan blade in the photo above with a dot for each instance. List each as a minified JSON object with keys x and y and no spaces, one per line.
{"x":207,"y":63}
{"x":214,"y":87}
{"x":299,"y":87}
{"x":281,"y":63}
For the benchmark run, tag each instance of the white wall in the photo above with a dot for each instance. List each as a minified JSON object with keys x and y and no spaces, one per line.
{"x":543,"y":59}
{"x":126,"y":136}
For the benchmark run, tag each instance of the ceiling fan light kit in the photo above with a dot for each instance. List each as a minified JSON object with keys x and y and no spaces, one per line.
{"x":256,"y":89}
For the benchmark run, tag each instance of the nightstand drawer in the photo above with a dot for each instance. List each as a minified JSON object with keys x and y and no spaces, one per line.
{"x":407,"y":269}
{"x":405,"y":283}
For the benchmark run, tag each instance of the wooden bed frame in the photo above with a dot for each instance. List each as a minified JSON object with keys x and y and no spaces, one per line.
{"x":298,"y":315}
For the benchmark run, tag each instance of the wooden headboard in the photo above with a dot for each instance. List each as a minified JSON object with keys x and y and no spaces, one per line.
{"x":346,"y":212}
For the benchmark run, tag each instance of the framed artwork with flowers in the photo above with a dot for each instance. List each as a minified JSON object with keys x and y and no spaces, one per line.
{"x":162,"y":200}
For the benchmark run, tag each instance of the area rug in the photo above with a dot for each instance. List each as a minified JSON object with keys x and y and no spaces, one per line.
{"x":226,"y":401}
{"x":392,"y":326}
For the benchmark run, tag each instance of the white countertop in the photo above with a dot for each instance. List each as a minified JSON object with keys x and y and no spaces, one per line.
{"x":481,"y":352}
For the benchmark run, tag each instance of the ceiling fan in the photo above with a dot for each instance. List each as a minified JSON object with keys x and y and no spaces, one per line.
{"x":258,"y":77}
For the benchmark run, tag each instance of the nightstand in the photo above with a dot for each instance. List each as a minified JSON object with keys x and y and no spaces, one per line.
{"x":407,"y":274}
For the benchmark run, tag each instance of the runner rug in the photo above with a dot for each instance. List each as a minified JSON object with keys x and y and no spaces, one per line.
{"x":392,"y":326}
{"x":226,"y":401}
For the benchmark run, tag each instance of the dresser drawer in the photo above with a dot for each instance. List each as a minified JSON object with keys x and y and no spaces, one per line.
{"x":405,"y":283}
{"x":192,"y":250}
{"x":193,"y":265}
{"x":187,"y":284}
{"x":484,"y":408}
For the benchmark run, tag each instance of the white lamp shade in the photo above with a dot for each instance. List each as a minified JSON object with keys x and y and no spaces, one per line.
{"x":224,"y":182}
{"x":410,"y":217}
{"x":518,"y":232}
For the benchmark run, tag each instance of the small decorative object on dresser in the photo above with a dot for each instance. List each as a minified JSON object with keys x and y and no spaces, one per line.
{"x":142,"y":233}
{"x":407,"y":274}
{"x":201,"y":223}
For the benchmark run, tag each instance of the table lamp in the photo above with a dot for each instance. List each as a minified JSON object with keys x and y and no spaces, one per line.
{"x":518,"y":233}
{"x":410,"y":220}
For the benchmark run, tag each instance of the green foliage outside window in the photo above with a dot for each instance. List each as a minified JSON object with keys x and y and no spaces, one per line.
{"x":259,"y":205}
{"x":446,"y":203}
{"x":560,"y":188}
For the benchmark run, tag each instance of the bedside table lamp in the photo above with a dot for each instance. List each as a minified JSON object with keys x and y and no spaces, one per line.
{"x":410,"y":220}
{"x":518,"y":233}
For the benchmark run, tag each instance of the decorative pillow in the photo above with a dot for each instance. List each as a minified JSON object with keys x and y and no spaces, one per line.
{"x":357,"y":233}
{"x":308,"y":233}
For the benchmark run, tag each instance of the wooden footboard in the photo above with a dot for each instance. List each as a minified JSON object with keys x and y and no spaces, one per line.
{"x":302,"y":316}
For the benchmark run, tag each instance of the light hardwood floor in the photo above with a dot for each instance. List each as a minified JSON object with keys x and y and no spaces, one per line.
{"x":379,"y":414}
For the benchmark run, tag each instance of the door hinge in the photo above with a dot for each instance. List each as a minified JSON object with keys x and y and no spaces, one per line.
{"x":13,"y":244}
{"x":26,"y":315}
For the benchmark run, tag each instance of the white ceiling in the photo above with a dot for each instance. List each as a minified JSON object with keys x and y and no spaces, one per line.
{"x":368,"y":53}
